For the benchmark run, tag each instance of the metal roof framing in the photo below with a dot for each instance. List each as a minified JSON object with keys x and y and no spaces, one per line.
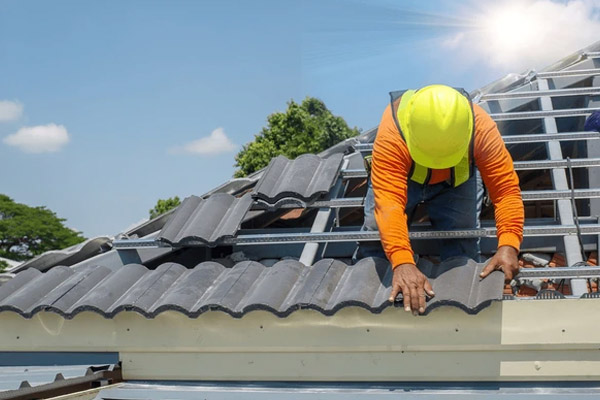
{"x":551,"y":84}
{"x":568,"y":73}
{"x":565,"y":208}
{"x":538,"y":93}
{"x":350,"y":236}
{"x":519,"y":166}
{"x":524,"y":138}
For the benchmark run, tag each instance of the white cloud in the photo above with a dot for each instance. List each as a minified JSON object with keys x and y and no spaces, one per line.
{"x":527,"y":34}
{"x":10,"y":110}
{"x":216,"y":143}
{"x":39,"y":139}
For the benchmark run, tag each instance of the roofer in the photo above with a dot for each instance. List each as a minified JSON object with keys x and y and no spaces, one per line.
{"x":431,"y":145}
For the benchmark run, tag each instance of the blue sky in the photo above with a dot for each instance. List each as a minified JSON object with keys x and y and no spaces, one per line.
{"x":106,"y":107}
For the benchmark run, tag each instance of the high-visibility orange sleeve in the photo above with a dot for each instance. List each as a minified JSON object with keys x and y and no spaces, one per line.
{"x":496,"y":166}
{"x":391,"y":166}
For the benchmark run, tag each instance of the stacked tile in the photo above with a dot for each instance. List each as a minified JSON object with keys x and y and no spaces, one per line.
{"x":68,"y":256}
{"x":205,"y":221}
{"x":299,"y":181}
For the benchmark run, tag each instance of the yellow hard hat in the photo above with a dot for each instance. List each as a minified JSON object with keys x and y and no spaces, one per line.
{"x":437,"y":124}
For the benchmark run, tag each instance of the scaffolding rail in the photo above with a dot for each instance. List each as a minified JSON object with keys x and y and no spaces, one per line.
{"x":532,"y":94}
{"x":367,"y":236}
{"x":525,"y":138}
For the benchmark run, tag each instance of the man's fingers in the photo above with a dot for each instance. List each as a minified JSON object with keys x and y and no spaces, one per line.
{"x":422,"y":297}
{"x":492,"y":265}
{"x":428,"y":288}
{"x":394,"y":293}
{"x":406,"y":295}
{"x":510,"y":273}
{"x":414,"y":299}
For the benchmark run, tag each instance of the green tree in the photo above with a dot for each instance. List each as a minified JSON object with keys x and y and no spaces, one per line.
{"x":28,"y":231}
{"x":162,"y":206}
{"x":3,"y":266}
{"x":308,"y":127}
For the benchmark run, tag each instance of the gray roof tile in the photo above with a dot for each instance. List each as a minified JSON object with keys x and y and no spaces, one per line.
{"x":68,"y":256}
{"x":205,"y":220}
{"x":31,"y":294}
{"x":472,"y":294}
{"x":327,"y":286}
{"x":109,"y":291}
{"x":302,"y":180}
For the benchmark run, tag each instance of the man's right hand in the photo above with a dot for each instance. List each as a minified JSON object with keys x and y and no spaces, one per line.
{"x":414,"y":287}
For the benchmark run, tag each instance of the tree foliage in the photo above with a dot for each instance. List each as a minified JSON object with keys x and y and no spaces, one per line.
{"x":162,"y":206}
{"x":3,"y":265}
{"x":308,"y":127}
{"x":28,"y":231}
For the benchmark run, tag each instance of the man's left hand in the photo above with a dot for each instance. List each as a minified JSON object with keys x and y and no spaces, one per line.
{"x":506,"y":260}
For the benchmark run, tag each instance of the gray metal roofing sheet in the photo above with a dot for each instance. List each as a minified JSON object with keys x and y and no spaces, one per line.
{"x":327,"y":286}
{"x":305,"y":178}
{"x":205,"y":220}
{"x":12,"y":377}
{"x":348,"y":391}
{"x":42,"y":382}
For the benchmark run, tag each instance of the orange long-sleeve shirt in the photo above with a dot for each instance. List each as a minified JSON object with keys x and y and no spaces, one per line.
{"x":391,"y":166}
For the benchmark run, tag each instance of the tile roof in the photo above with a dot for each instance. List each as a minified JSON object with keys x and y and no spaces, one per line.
{"x":301,"y":180}
{"x":327,"y":286}
{"x":233,"y":211}
{"x":69,"y":256}
{"x":205,"y":220}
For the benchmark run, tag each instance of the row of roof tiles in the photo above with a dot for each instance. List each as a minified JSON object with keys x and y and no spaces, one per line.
{"x":327,"y":286}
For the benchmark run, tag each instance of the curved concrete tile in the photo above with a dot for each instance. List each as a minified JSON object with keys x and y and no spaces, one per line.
{"x":327,"y":286}
{"x":205,"y":221}
{"x":305,"y":178}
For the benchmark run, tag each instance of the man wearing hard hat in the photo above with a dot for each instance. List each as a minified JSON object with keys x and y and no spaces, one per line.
{"x":430,"y":144}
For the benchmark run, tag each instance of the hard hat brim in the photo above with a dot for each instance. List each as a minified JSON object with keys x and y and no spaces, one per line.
{"x":429,"y":161}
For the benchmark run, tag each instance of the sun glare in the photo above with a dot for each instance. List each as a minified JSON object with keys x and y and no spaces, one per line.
{"x":509,"y":27}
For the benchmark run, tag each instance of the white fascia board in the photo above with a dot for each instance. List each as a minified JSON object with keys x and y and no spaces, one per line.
{"x":508,"y":341}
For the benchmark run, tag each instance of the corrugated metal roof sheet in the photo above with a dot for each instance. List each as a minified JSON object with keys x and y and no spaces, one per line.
{"x":327,"y":286}
{"x":42,"y":382}
{"x":12,"y":377}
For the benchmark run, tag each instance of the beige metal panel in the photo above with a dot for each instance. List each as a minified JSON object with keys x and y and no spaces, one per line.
{"x":353,"y":328}
{"x":572,"y":370}
{"x":511,"y":340}
{"x":542,"y":322}
{"x":365,"y":366}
